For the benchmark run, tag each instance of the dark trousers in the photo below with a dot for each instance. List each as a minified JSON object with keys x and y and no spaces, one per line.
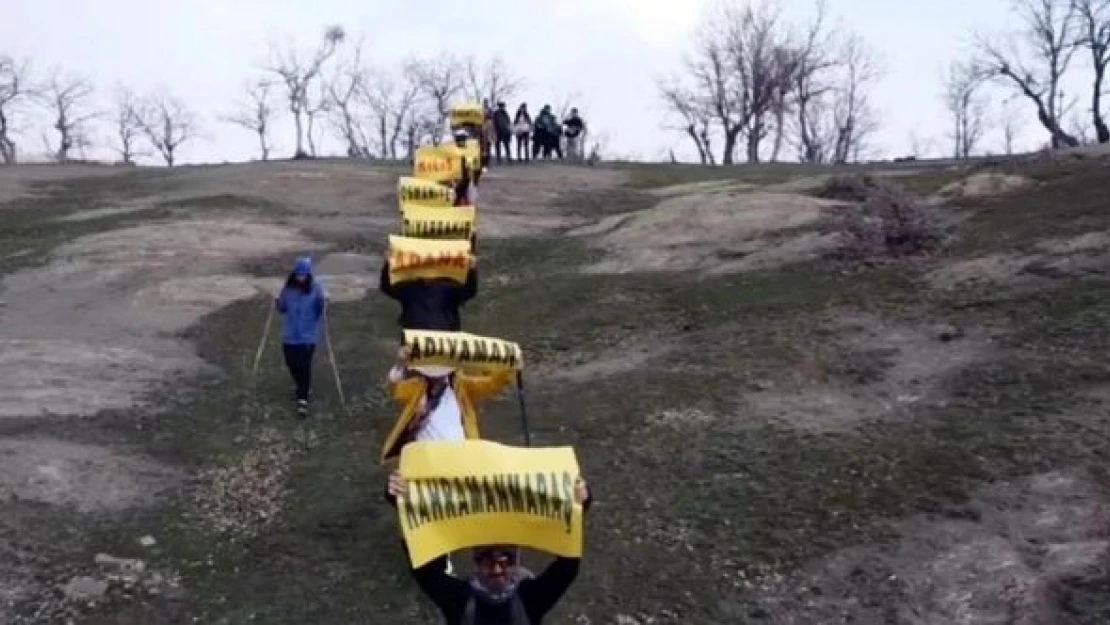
{"x":522,"y":148}
{"x":506,"y":142}
{"x":298,"y":358}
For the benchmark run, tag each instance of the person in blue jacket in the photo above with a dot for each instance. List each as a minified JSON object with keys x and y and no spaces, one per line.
{"x":303,"y":302}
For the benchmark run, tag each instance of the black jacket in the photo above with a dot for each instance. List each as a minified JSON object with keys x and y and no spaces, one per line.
{"x":430,"y":304}
{"x":538,"y":595}
{"x":502,"y":123}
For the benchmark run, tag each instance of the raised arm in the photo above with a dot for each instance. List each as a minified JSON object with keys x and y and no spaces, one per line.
{"x":383,"y":282}
{"x":486,"y":386}
{"x":545,"y":590}
{"x":449,"y":593}
{"x":470,"y":288}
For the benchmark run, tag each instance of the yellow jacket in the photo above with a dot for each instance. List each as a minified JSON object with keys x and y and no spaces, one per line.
{"x":469,"y":389}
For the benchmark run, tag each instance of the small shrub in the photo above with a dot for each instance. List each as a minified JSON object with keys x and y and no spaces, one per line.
{"x":886,"y":220}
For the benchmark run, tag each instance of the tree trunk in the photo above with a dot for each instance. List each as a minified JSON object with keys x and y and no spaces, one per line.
{"x":262,"y":144}
{"x":1101,"y":131}
{"x":728,"y":153}
{"x":300,"y":133}
{"x":780,"y":132}
{"x":754,"y":139}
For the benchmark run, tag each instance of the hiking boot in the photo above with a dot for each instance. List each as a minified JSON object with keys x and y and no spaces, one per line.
{"x":302,"y":408}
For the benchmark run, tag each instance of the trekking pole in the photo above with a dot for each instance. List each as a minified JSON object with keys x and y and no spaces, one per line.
{"x":262,"y":343}
{"x":334,"y":367}
{"x":523,"y":411}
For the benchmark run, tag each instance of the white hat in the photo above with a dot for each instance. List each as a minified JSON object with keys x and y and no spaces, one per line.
{"x":434,"y":371}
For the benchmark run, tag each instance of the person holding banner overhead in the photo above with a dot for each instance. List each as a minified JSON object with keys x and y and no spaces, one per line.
{"x":431,"y":303}
{"x":438,"y":402}
{"x":499,"y":591}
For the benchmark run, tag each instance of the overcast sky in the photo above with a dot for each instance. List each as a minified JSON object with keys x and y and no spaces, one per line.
{"x":608,"y":52}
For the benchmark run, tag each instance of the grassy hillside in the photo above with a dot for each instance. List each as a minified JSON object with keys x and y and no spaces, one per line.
{"x":894,"y":440}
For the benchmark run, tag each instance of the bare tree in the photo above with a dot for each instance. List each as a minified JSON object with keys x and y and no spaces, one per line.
{"x":758,"y":53}
{"x":167,"y":123}
{"x":127,"y":124}
{"x":255,"y":113}
{"x":1037,"y":71}
{"x":346,"y":94}
{"x":441,"y":80}
{"x":67,"y":98}
{"x":393,"y":105}
{"x":493,"y":80}
{"x":1094,"y":35}
{"x":1009,"y":124}
{"x":694,"y":117}
{"x":966,"y":105}
{"x":811,"y":87}
{"x":299,"y":75}
{"x":15,"y":90}
{"x":855,"y":117}
{"x":319,"y":106}
{"x":714,"y":78}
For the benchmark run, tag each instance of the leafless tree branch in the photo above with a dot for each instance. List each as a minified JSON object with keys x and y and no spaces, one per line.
{"x":67,"y":98}
{"x":255,"y":113}
{"x":15,"y":90}
{"x":298,"y":75}
{"x":1037,"y":70}
{"x":167,"y":124}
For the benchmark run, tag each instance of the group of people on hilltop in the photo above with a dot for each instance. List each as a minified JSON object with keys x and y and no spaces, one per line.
{"x":534,"y":138}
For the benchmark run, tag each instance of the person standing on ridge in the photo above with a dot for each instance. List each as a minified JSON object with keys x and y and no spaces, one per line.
{"x":575,"y":130}
{"x":522,"y":128}
{"x":303,"y":303}
{"x":503,"y":132}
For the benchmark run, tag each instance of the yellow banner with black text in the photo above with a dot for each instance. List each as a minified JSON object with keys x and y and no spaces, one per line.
{"x":470,"y":493}
{"x":462,"y":350}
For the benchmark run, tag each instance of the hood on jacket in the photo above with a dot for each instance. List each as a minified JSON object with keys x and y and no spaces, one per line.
{"x":303,"y":266}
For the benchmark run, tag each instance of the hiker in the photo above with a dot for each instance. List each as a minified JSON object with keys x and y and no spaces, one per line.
{"x":575,"y":131}
{"x":303,"y":303}
{"x":500,"y":591}
{"x":487,"y":133}
{"x":466,"y":185}
{"x":438,"y":403}
{"x":431,"y":304}
{"x":547,"y":133}
{"x":522,"y":128}
{"x":503,"y":132}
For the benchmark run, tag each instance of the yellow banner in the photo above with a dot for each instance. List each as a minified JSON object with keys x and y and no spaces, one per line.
{"x":471,"y":493}
{"x":438,"y":163}
{"x":413,"y":191}
{"x":415,"y":259}
{"x":423,"y":222}
{"x":470,"y":352}
{"x":471,"y":113}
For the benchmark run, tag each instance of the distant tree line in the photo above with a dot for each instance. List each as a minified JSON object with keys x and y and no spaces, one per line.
{"x":330,"y":87}
{"x":778,"y":90}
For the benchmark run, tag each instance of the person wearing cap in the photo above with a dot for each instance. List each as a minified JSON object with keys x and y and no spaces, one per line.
{"x":302,"y":302}
{"x":500,"y":591}
{"x":437,"y":402}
